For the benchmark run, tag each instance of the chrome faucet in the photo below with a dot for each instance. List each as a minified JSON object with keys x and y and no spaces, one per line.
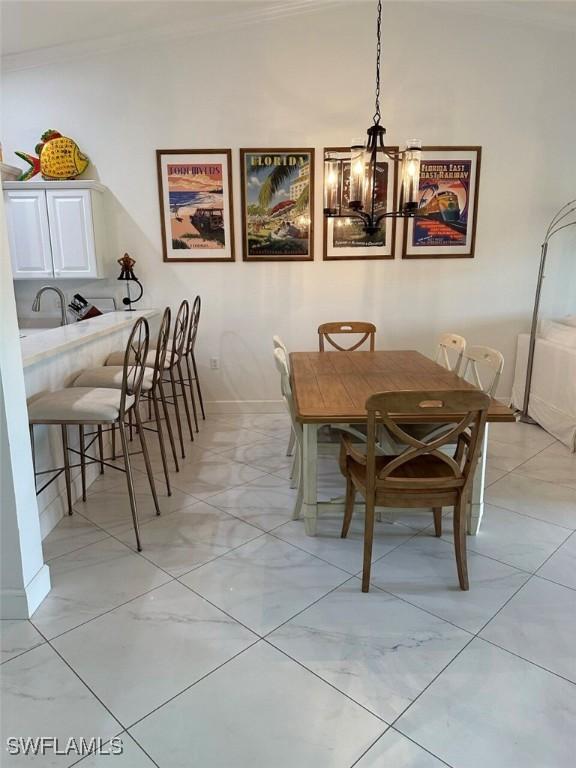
{"x":36,"y":302}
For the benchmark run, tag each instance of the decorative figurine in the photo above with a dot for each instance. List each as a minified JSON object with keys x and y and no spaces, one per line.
{"x":127,"y":274}
{"x":59,"y":158}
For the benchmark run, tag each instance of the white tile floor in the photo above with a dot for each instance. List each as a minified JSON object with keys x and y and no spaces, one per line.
{"x":235,"y":641}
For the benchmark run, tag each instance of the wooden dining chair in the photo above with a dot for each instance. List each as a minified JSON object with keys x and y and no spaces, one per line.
{"x":451,"y":343}
{"x":421,"y":475}
{"x":483,"y":367}
{"x":367,"y":331}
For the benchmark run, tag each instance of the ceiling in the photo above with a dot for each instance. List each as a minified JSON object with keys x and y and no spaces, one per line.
{"x":31,"y":25}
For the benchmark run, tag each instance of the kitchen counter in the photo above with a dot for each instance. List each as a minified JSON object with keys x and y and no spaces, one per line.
{"x":41,"y":344}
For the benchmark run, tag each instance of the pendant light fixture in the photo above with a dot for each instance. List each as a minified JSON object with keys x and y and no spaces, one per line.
{"x":351,"y":183}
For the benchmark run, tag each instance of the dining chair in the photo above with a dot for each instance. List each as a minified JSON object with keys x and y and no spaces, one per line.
{"x":366,"y":330}
{"x":479,"y":359}
{"x":152,"y":390}
{"x":100,"y":406}
{"x":447,"y":343}
{"x":282,"y":365}
{"x":277,"y":343}
{"x":421,"y":475}
{"x":190,"y":359}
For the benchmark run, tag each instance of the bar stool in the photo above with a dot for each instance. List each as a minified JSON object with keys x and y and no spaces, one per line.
{"x":111,"y":376}
{"x":172,"y":369}
{"x":104,"y":407}
{"x":191,"y":359}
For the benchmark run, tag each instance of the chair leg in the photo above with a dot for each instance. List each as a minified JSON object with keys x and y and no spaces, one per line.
{"x":154,"y":400}
{"x":82,"y":460}
{"x":368,"y":539}
{"x":131,"y":425}
{"x":101,"y":449}
{"x":168,"y":423}
{"x":460,"y":521}
{"x":177,"y":410}
{"x":349,"y":507}
{"x":198,"y":386}
{"x":191,"y":388}
{"x":144,"y":445}
{"x":185,"y":398}
{"x":129,"y":482}
{"x":295,"y":470}
{"x":437,"y":512}
{"x":113,"y":442}
{"x":67,"y":468}
{"x":297,"y":511}
{"x":291,"y":441}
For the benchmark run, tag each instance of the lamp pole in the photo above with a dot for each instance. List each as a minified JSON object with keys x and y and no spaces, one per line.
{"x":558,"y":223}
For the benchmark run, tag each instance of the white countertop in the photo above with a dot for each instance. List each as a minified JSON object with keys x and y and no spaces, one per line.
{"x":54,"y":341}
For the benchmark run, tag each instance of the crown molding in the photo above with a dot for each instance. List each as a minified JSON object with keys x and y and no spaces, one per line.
{"x":173,"y":31}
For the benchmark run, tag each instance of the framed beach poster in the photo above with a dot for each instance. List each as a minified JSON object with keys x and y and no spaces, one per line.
{"x":195,"y":189}
{"x":448,"y":195}
{"x":345,"y":238}
{"x":277,"y":204}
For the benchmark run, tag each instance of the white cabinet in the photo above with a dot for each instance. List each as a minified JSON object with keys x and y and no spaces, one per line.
{"x":55,"y":229}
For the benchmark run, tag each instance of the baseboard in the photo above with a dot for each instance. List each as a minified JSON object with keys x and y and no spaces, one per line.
{"x":21,"y":603}
{"x":245,"y":406}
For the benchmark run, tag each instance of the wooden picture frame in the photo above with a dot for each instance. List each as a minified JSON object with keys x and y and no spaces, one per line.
{"x":277,"y":212}
{"x":334,"y":247}
{"x":196,"y":208}
{"x":449,"y":183}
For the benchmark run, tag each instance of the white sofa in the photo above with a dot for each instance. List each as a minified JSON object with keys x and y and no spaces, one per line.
{"x":553,"y":392}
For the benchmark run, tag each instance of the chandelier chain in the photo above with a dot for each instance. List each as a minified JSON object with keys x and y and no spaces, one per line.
{"x":377,"y":114}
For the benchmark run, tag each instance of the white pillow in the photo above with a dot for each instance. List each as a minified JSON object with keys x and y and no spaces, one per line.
{"x":558,"y":333}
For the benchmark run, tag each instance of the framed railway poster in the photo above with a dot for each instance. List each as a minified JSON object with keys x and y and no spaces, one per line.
{"x":344,"y":237}
{"x":277,"y":204}
{"x":448,"y":196}
{"x":195,"y":192}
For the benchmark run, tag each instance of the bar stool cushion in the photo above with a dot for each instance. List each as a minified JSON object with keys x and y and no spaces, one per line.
{"x":117,"y":358}
{"x":110,"y":376}
{"x":76,"y":405}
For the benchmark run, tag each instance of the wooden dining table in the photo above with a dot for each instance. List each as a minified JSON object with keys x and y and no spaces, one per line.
{"x":332,"y":388}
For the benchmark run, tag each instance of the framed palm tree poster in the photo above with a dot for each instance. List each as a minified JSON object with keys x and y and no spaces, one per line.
{"x":277,"y":204}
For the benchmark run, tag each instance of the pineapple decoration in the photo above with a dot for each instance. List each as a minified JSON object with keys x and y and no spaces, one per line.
{"x":59,"y":158}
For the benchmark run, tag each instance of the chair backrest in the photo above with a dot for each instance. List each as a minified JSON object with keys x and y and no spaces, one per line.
{"x":162,"y":344}
{"x":467,"y":407}
{"x":134,"y":362}
{"x":367,"y":331}
{"x":179,"y":335}
{"x":281,"y":360}
{"x":193,"y":327}
{"x":489,"y":360}
{"x":279,"y":344}
{"x":451,"y":343}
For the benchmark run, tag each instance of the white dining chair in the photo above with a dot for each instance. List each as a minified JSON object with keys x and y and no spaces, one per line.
{"x":279,"y":344}
{"x":282,"y":365}
{"x":483,"y":367}
{"x":451,"y":343}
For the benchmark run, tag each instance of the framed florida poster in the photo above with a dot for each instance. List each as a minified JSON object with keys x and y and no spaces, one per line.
{"x":195,"y":189}
{"x":448,"y":195}
{"x":277,"y":204}
{"x":344,"y":237}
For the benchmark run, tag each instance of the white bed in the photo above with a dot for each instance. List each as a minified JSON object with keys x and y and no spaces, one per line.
{"x":553,"y":391}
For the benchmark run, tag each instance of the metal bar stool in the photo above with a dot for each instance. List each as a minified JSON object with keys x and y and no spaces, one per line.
{"x":190,"y":357}
{"x":100,"y":406}
{"x":111,"y":376}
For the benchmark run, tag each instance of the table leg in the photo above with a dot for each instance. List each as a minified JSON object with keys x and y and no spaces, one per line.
{"x":309,"y":477}
{"x":476,"y":508}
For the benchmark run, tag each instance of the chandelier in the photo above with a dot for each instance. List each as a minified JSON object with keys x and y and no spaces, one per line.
{"x":351,"y":184}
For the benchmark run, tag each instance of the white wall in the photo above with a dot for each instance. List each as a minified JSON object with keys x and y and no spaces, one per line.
{"x":450,"y":76}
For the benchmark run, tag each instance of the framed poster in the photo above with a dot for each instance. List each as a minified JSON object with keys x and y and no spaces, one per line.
{"x":277,"y":204}
{"x":345,"y":238}
{"x":195,"y":191}
{"x":448,"y":193}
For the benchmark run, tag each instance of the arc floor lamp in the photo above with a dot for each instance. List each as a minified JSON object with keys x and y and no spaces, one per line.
{"x":566,"y":217}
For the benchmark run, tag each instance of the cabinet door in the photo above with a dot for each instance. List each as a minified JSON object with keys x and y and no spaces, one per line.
{"x":71,"y":233}
{"x":28,"y":233}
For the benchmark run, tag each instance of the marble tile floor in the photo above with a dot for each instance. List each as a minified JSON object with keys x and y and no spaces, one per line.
{"x":235,"y":640}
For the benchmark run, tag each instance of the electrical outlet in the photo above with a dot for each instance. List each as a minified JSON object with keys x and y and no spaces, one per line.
{"x":214,"y":363}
